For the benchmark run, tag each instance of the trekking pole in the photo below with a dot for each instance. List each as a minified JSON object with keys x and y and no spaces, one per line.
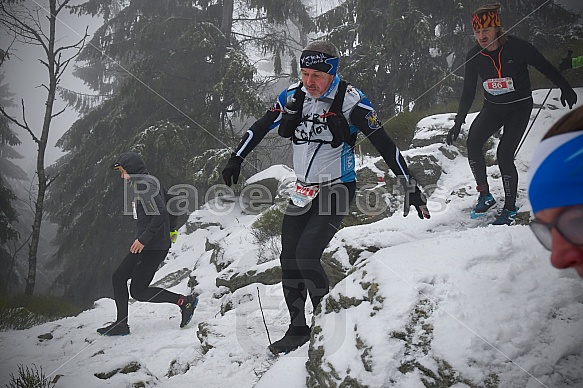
{"x":264,"y":323}
{"x":569,"y":55}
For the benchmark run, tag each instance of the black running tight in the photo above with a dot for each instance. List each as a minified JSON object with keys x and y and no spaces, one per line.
{"x":514,"y":117}
{"x":305,"y":234}
{"x":140,"y":268}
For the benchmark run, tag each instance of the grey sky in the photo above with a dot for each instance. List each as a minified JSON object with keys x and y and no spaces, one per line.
{"x":25,"y":74}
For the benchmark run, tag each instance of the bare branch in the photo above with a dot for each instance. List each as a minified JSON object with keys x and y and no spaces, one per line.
{"x":61,"y":6}
{"x":58,"y":113}
{"x":6,"y":53}
{"x":23,"y":125}
{"x":249,"y":19}
{"x":18,"y":23}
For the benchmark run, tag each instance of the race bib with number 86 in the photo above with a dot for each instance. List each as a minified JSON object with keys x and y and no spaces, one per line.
{"x":497,"y":86}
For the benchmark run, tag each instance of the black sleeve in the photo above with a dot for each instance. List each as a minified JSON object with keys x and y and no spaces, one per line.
{"x":383,"y":143}
{"x":256,"y":133}
{"x":539,"y":62}
{"x":157,"y":221}
{"x":469,"y":90}
{"x":171,"y":208}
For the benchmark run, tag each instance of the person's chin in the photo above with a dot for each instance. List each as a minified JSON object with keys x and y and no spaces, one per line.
{"x":314,"y":94}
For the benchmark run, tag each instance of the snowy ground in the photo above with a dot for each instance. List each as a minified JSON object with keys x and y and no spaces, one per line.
{"x":490,"y":295}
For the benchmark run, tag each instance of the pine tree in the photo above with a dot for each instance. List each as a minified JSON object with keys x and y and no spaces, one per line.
{"x":8,"y":170}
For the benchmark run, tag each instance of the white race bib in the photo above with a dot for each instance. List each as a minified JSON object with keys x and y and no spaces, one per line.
{"x":497,"y":86}
{"x":304,"y":194}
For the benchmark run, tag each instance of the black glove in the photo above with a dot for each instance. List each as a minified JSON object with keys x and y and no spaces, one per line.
{"x":416,"y":199}
{"x":454,"y":132}
{"x":566,"y":64}
{"x":232,"y":170}
{"x":568,"y":96}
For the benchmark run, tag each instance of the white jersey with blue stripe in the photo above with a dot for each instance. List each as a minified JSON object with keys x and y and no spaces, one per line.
{"x":315,"y":161}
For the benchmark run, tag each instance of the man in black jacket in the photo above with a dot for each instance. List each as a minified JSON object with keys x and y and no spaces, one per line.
{"x":148,"y":250}
{"x":502,"y":62}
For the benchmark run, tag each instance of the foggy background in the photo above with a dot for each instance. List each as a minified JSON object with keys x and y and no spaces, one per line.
{"x":25,"y":74}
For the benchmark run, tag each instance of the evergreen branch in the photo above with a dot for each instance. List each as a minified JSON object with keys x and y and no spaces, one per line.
{"x":52,"y":179}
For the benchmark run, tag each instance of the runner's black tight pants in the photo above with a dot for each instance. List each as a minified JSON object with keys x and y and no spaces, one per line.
{"x":305,"y":234}
{"x":140,"y":268}
{"x":514,"y":117}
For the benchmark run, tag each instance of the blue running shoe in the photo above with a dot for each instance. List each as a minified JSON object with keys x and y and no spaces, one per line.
{"x":484,"y":203}
{"x":506,"y":217}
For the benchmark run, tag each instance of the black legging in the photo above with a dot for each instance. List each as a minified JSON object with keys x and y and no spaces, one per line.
{"x":140,"y":268}
{"x":514,"y":117}
{"x":305,"y":234}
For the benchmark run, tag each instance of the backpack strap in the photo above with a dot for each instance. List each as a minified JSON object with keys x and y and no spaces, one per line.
{"x":337,"y":123}
{"x":339,"y":98}
{"x":335,"y":119}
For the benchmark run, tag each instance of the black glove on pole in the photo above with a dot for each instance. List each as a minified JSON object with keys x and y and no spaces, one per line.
{"x":416,"y":199}
{"x":568,"y":97}
{"x":232,"y":170}
{"x":454,"y":132}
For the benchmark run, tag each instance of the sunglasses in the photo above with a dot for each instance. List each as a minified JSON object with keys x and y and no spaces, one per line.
{"x":569,"y":224}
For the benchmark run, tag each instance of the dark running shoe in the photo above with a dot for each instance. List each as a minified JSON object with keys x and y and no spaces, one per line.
{"x":187,"y":309}
{"x":116,"y":328}
{"x":506,"y":217}
{"x":294,"y":338}
{"x":484,"y":203}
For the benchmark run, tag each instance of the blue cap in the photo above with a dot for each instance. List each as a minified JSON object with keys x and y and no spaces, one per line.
{"x":556,"y":172}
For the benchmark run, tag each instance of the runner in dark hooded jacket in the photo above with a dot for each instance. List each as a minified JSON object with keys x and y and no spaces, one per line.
{"x":150,"y":247}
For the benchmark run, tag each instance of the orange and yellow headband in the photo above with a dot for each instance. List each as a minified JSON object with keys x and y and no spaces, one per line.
{"x":485,"y":19}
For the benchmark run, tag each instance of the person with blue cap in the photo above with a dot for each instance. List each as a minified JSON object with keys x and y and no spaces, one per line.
{"x":555,"y":190}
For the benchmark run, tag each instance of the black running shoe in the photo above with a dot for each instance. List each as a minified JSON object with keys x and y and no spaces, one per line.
{"x":187,"y":309}
{"x":294,"y":338}
{"x":116,"y":328}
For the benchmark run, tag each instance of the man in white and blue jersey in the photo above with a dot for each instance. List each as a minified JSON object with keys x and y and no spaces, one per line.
{"x":321,"y":116}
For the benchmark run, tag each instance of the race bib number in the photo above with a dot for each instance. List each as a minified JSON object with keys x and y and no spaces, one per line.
{"x":303,"y":195}
{"x":497,"y":86}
